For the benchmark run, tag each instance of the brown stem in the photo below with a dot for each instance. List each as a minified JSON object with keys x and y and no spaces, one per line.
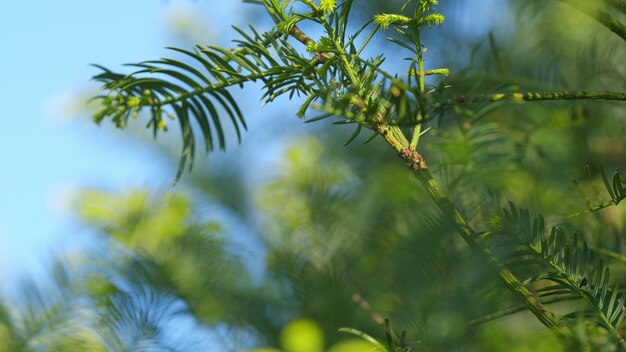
{"x":296,"y":32}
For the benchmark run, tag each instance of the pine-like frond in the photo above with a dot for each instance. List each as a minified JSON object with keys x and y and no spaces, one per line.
{"x":332,"y":75}
{"x":474,"y":159}
{"x":54,"y":316}
{"x":200,"y":90}
{"x":571,"y":270}
{"x":595,"y":200}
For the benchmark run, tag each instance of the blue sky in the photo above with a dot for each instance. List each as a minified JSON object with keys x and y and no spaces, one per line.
{"x":44,"y":155}
{"x":46,"y":49}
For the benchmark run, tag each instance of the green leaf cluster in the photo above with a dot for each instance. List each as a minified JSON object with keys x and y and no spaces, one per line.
{"x":571,"y":270}
{"x":336,"y":79}
{"x":348,"y":239}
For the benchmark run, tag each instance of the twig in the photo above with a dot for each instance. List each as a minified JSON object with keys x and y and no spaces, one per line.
{"x":358,"y":299}
{"x":537,"y":96}
{"x":394,"y":136}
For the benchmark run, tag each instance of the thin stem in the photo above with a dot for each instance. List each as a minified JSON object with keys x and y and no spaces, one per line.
{"x":213,"y":87}
{"x":320,"y":56}
{"x":348,"y":67}
{"x":582,"y":293}
{"x":420,"y":171}
{"x":393,"y":135}
{"x":591,"y":210}
{"x":397,"y":141}
{"x":421,"y":79}
{"x":416,"y":133}
{"x":513,"y":310}
{"x":537,"y":96}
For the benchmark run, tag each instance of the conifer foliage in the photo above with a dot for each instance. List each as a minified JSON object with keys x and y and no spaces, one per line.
{"x":541,"y":266}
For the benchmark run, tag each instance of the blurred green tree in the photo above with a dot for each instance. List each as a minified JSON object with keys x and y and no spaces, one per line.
{"x":348,"y":239}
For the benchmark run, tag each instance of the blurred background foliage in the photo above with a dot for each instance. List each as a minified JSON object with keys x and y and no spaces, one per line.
{"x":275,"y":245}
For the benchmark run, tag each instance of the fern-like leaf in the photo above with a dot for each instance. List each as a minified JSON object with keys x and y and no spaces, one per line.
{"x":572,"y":268}
{"x":614,"y":188}
{"x":200,"y":91}
{"x":331,"y":75}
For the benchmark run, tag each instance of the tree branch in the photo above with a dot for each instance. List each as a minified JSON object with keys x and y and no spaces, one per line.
{"x":396,"y":139}
{"x":535,"y":96}
{"x":417,"y":165}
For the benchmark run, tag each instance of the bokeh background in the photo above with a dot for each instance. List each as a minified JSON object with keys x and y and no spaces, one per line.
{"x":281,"y":240}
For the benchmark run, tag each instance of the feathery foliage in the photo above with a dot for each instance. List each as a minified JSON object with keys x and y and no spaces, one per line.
{"x":332,"y":75}
{"x":320,"y":254}
{"x":572,"y":270}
